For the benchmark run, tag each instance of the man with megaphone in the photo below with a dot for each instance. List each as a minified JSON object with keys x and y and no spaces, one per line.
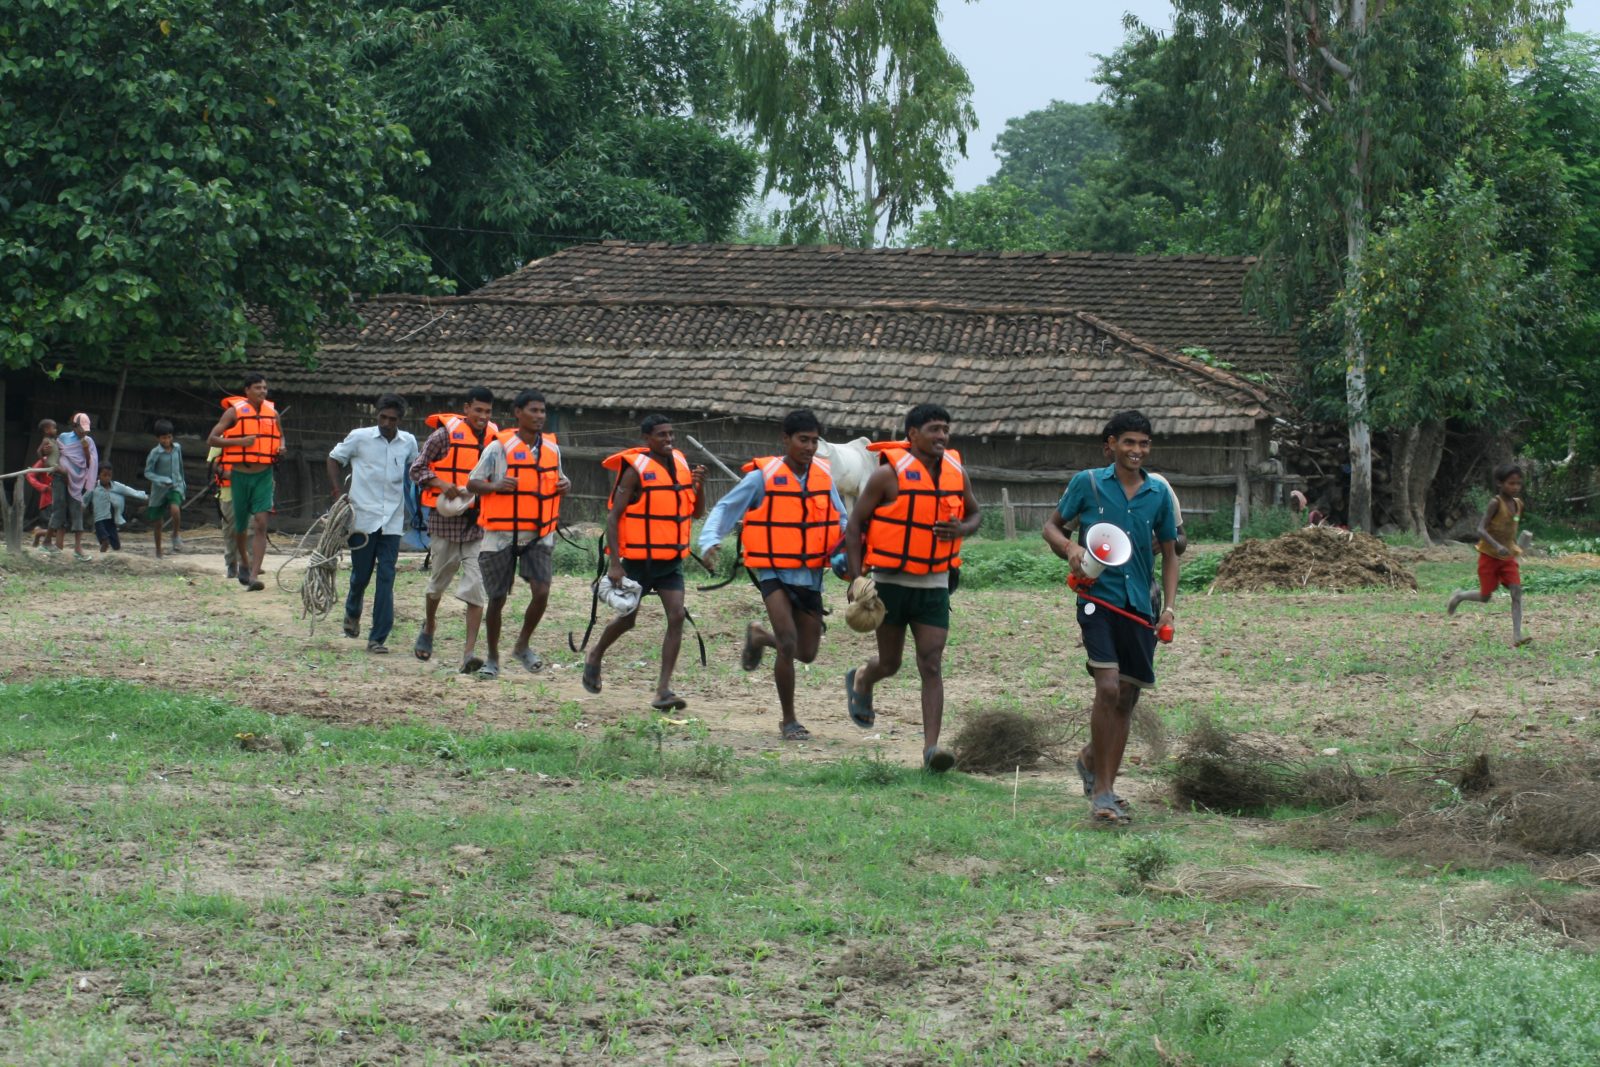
{"x":1121,"y":512}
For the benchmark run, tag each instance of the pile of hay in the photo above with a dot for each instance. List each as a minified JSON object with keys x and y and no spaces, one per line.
{"x":996,"y":742}
{"x":1223,"y":772}
{"x":1317,"y":557}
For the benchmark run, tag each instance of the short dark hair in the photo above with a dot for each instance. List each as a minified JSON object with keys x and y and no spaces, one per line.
{"x":478,"y":394}
{"x":528,"y":396}
{"x":922,"y":414}
{"x":163,"y":427}
{"x":45,"y":422}
{"x":253,"y":377}
{"x":1127,"y":422}
{"x":650,"y":422}
{"x":105,"y":468}
{"x":392,"y":402}
{"x":801,"y":420}
{"x":1504,"y":471}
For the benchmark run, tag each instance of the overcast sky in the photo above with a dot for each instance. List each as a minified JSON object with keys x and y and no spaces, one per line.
{"x":1022,"y":54}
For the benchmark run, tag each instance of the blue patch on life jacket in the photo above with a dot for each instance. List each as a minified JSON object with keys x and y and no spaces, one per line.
{"x":913,"y":476}
{"x":649,"y":476}
{"x":782,"y":479}
{"x":459,"y":435}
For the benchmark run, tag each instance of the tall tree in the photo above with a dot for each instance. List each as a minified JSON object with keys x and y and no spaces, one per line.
{"x":1046,"y":150}
{"x":168,"y":168}
{"x":555,"y":121}
{"x":859,"y":108}
{"x":1314,"y":115}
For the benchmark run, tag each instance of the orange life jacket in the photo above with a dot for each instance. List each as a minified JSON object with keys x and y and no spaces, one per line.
{"x":535,"y":507}
{"x":461,"y":455}
{"x":900,"y":536}
{"x":795,"y":525}
{"x":223,"y":477}
{"x":262,"y":424}
{"x":656,"y":526}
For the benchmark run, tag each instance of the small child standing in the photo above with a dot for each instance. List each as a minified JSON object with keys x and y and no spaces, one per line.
{"x":1498,"y":550}
{"x":107,"y":500}
{"x":41,"y":483}
{"x":163,"y":469}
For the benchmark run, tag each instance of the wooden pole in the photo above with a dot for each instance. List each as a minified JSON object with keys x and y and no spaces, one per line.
{"x":1241,"y":477}
{"x":116,"y":413}
{"x":1010,"y":513}
{"x":721,"y":466}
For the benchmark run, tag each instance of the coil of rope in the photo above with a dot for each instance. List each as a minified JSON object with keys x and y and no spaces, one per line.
{"x":320,"y":546}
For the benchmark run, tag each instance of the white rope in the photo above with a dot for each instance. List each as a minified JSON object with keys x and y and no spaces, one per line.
{"x":320,"y":546}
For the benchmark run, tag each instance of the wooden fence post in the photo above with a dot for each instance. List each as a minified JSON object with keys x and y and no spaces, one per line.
{"x":1241,"y":476}
{"x":1010,"y":514}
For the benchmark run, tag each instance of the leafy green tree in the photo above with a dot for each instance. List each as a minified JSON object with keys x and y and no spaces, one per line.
{"x":1309,"y":118}
{"x":996,"y":216}
{"x":1045,"y":151}
{"x":859,"y":108}
{"x":169,"y":167}
{"x":555,"y":121}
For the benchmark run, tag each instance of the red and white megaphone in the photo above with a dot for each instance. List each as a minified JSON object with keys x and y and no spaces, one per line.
{"x":1105,"y":546}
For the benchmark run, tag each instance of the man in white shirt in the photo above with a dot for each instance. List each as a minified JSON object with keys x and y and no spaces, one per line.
{"x":380,"y":459}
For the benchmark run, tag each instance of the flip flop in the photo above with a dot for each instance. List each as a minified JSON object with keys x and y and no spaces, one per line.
{"x":529,"y":659}
{"x":860,"y":707}
{"x":793,"y":731}
{"x":1087,"y":777}
{"x":1105,"y":811}
{"x":750,"y":658}
{"x":256,"y":585}
{"x":377,"y":648}
{"x":670,"y":702}
{"x":423,"y":649}
{"x":489,"y":671}
{"x":591,"y":677}
{"x":471,"y":665}
{"x":938,"y":760}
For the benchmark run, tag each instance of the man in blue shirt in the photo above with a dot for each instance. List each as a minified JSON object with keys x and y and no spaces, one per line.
{"x":1120,"y":651}
{"x":793,"y":595}
{"x":380,"y":460}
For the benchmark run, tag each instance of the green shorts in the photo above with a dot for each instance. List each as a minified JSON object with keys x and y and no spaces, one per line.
{"x":252,"y":494}
{"x":904,"y":606}
{"x":159,"y":504}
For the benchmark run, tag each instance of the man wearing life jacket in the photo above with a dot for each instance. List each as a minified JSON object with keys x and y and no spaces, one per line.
{"x":656,"y":497}
{"x":519,"y":483}
{"x":380,"y":460}
{"x":907,"y":527}
{"x":442,"y":469}
{"x":251,"y":440}
{"x":793,"y":521}
{"x":1120,"y":651}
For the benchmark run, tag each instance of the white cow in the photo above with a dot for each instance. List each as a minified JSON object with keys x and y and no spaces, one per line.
{"x":851,"y":464}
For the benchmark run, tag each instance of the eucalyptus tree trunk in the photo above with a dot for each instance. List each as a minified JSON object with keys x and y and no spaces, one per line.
{"x":1355,"y":382}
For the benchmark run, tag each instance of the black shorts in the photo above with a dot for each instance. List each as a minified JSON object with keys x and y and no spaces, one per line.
{"x":802,"y":598}
{"x":655,"y":575}
{"x":1110,"y":640}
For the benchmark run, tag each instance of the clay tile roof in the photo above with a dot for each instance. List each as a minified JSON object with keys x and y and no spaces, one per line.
{"x":1000,"y":370}
{"x":1173,"y":302}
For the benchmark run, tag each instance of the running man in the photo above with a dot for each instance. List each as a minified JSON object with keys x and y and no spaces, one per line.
{"x":793,"y":522}
{"x":907,"y":526}
{"x":655,"y":499}
{"x":251,"y":441}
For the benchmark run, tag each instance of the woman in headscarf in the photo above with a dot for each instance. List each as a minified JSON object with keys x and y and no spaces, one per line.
{"x":80,"y":469}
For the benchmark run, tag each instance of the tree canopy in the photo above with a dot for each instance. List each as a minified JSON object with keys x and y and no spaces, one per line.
{"x":168,"y":169}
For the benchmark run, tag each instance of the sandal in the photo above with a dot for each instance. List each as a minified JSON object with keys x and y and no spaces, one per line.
{"x":352,"y":625}
{"x":793,"y":731}
{"x":377,"y":648}
{"x":750,"y":658}
{"x":1087,"y":776}
{"x":938,"y":760}
{"x":529,"y":659}
{"x":669,"y":702}
{"x":489,"y":671}
{"x":471,"y":665}
{"x":860,"y":707}
{"x":1105,"y":811}
{"x":423,"y":649}
{"x":591,"y":677}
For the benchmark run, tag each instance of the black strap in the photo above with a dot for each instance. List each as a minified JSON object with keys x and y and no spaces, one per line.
{"x":697,"y":637}
{"x":594,"y":595}
{"x":738,"y":565}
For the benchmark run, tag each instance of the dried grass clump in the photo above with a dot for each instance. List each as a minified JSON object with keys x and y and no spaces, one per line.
{"x":1002,"y":741}
{"x":1574,"y":917}
{"x":1231,"y":883}
{"x":1317,"y":557}
{"x":1222,"y":772}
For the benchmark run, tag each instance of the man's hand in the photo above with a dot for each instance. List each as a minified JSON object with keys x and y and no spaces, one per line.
{"x":1167,"y":618}
{"x":615,"y":573}
{"x":946,"y":530}
{"x":697,"y":474}
{"x":506,"y":485}
{"x":247,"y":439}
{"x":563,"y":483}
{"x":451,"y":490}
{"x":1074,"y":559}
{"x":710,"y":556}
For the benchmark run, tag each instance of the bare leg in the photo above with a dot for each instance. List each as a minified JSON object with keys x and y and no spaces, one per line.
{"x":1109,"y":722}
{"x":929,"y":642}
{"x":258,"y":545}
{"x":157,"y":532}
{"x":537,"y":602}
{"x":241,"y":541}
{"x":177,"y":522}
{"x":891,"y":646}
{"x":785,"y":639}
{"x":430,"y":612}
{"x":491,"y":615}
{"x":1461,"y":596}
{"x":1517,"y":640}
{"x":672,"y":641}
{"x":608,"y":636}
{"x":474,"y":618}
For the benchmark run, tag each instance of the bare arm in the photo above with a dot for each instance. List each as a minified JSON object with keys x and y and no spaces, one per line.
{"x":881,"y":488}
{"x":224,"y":424}
{"x":1169,"y":579}
{"x":335,"y":478}
{"x":697,"y":474}
{"x":1483,"y":528}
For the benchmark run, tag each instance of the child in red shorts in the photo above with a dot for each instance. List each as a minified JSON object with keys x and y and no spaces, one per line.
{"x":1498,"y":550}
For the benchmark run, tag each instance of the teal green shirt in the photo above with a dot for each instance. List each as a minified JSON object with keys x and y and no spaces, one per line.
{"x":1096,"y":496}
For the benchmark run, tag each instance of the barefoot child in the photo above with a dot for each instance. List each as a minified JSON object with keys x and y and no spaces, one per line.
{"x":107,"y":501}
{"x":163,"y":469}
{"x":1498,"y":550}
